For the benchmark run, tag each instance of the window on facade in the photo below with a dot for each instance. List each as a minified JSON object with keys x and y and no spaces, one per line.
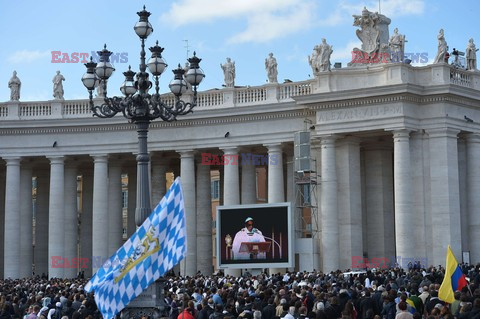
{"x":124,"y":199}
{"x":215,"y":189}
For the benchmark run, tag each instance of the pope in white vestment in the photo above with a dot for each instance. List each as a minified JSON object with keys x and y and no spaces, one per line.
{"x":247,"y":234}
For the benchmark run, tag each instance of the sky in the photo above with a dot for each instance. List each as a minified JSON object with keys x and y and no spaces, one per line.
{"x":244,"y":30}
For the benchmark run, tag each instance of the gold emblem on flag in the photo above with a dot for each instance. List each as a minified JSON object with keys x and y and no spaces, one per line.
{"x":145,"y":248}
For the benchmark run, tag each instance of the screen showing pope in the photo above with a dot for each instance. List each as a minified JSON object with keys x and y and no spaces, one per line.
{"x":247,"y":234}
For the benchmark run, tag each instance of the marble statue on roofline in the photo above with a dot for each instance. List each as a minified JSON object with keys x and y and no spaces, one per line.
{"x":271,"y":67}
{"x":58,"y":86}
{"x":471,"y":55}
{"x":397,"y":46}
{"x":374,"y":35}
{"x":442,"y":48}
{"x":320,"y":59}
{"x":229,"y":73}
{"x":14,"y":84}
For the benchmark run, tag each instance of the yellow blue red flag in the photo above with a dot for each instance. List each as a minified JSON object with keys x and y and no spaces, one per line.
{"x":454,"y":279}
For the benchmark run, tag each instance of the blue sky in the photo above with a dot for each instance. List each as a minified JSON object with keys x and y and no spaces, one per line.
{"x":245,"y":30}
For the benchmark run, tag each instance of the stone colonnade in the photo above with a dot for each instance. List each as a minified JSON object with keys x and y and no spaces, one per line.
{"x":399,"y":197}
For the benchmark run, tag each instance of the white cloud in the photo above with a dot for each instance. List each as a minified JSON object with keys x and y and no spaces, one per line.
{"x":394,"y":8}
{"x":266,"y":26}
{"x":345,"y":53}
{"x":266,"y":19}
{"x":27,"y":56}
{"x":191,"y":11}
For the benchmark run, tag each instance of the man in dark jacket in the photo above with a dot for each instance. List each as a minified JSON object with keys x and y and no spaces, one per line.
{"x":389,"y":308}
{"x":268,"y":312}
{"x":366,"y":304}
{"x":207,"y":309}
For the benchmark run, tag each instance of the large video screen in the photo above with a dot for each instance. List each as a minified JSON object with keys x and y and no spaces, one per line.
{"x":254,"y":236}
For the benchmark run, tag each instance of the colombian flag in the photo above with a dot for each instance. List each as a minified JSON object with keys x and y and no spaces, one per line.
{"x":454,"y":279}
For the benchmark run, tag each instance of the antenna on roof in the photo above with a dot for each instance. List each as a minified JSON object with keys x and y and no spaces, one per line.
{"x":187,"y":47}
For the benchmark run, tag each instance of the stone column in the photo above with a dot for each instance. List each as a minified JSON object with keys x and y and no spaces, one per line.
{"x":188,"y":266}
{"x":115,"y":211}
{"x":86,"y":227}
{"x":379,"y":202}
{"x":444,"y":193}
{"x":204,"y":220}
{"x":12,"y":219}
{"x":100,"y":211}
{"x":462,"y":176}
{"x":2,"y":218}
{"x":56,"y":218}
{"x":275,"y":184}
{"x":276,"y":191}
{"x":249,"y":185}
{"x":132,"y":201}
{"x":231,"y":184}
{"x":473,"y":196}
{"x":349,"y":200}
{"x":41,"y":223}
{"x":231,"y":188}
{"x":26,"y":221}
{"x":329,"y":206}
{"x":71,"y":219}
{"x":418,"y":195}
{"x":159,"y":180}
{"x":404,"y":214}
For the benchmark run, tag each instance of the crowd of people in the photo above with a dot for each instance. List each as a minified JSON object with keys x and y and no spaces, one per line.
{"x":392,"y":293}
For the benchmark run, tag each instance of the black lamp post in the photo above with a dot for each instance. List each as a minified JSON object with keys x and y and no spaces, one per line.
{"x":137,"y":105}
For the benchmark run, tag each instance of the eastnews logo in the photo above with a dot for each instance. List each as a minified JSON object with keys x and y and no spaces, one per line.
{"x":84,"y":57}
{"x":384,"y":57}
{"x":239,"y":159}
{"x":82,"y":263}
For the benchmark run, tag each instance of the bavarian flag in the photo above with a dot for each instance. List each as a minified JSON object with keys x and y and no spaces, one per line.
{"x":454,"y":279}
{"x":157,"y":245}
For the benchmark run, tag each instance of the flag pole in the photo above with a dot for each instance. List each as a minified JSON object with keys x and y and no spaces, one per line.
{"x":468,"y":286}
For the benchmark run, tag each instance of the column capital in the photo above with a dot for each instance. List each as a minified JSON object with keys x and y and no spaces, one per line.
{"x":328,"y":140}
{"x":401,"y":135}
{"x":231,"y":150}
{"x":186,"y":153}
{"x":56,"y":159}
{"x":442,"y":132}
{"x":12,"y":160}
{"x":274,"y":147}
{"x":99,"y":157}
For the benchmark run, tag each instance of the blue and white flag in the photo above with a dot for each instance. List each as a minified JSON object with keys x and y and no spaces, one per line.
{"x":156,"y":246}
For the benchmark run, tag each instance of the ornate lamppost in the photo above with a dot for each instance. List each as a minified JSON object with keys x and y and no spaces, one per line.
{"x":137,"y":105}
{"x":140,"y":108}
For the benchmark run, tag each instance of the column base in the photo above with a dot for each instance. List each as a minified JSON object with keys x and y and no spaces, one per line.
{"x":149,"y":303}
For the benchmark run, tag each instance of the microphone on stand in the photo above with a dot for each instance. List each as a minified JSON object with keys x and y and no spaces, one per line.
{"x":273,"y":240}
